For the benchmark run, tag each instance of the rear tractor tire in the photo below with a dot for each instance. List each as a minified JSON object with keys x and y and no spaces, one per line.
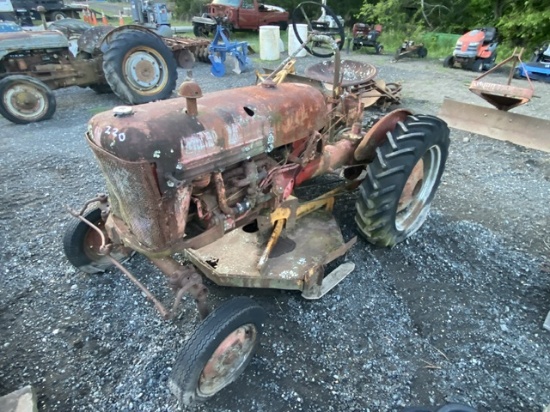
{"x":24,"y":99}
{"x":394,"y":199}
{"x":218,"y":351}
{"x":81,"y":245}
{"x":139,"y":67}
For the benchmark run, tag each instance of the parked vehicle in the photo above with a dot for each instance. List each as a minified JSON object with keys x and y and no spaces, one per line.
{"x":409,"y":48}
{"x":55,"y":9}
{"x":475,"y":50}
{"x":131,"y":61}
{"x":154,"y":16}
{"x":239,"y":15}
{"x":538,"y":68}
{"x":8,"y":13}
{"x":366,"y":35}
{"x":212,"y":177}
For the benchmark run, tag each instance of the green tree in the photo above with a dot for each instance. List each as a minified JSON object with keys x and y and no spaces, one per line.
{"x":526,"y":23}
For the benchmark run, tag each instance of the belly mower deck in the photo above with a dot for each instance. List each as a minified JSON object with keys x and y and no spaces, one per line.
{"x":294,"y":261}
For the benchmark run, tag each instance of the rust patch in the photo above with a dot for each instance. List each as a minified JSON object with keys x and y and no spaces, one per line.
{"x":351,"y":72}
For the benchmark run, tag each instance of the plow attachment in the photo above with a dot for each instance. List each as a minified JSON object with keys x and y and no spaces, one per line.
{"x":499,"y":124}
{"x":523,"y":130}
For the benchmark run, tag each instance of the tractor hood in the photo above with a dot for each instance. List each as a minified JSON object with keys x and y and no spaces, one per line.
{"x":229,"y":126}
{"x":27,"y":40}
{"x":468,"y":44}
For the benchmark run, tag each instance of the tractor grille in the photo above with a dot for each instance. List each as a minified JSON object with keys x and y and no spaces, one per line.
{"x":134,"y":197}
{"x":471,"y":49}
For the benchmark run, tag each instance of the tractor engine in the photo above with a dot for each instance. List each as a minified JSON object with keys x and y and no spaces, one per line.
{"x":192,"y":168}
{"x":33,"y":50}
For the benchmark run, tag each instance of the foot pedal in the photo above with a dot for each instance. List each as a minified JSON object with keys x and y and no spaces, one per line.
{"x":330,"y":281}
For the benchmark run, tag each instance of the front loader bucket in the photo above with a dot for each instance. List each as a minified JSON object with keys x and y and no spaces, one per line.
{"x":523,"y":130}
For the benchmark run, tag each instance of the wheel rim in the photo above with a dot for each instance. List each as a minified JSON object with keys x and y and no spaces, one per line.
{"x":144,"y":70}
{"x":92,"y":242}
{"x":227,"y":360}
{"x":414,"y":201}
{"x":25,"y":101}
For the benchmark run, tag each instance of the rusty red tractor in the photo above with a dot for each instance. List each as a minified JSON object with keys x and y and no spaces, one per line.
{"x":212,"y":177}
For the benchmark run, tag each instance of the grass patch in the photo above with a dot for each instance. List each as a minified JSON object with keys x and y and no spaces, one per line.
{"x":99,"y":109}
{"x":439,"y":45}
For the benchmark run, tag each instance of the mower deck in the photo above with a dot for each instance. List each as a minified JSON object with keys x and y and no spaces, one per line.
{"x":295,"y":263}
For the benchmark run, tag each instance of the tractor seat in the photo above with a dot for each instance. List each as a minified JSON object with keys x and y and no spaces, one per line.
{"x":490,"y":34}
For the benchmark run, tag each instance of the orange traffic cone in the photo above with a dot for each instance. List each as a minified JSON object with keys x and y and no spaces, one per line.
{"x":94,"y":20}
{"x":104,"y":19}
{"x":85,"y":16}
{"x":120,"y":19}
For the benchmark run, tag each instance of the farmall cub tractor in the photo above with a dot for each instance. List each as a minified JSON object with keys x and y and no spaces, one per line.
{"x":212,"y":177}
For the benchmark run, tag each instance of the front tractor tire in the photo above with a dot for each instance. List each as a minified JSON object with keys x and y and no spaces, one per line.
{"x":218,"y":351}
{"x":81,"y":245}
{"x":24,"y":99}
{"x":139,"y":67}
{"x":394,"y":199}
{"x":449,"y":62}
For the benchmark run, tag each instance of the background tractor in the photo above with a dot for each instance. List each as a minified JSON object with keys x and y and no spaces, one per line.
{"x":131,"y":61}
{"x":214,"y":176}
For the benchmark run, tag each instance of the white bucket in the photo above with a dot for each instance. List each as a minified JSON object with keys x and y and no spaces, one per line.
{"x":293,"y":42}
{"x":269,"y":43}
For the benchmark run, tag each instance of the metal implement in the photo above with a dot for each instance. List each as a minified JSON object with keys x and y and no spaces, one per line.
{"x":523,"y":130}
{"x":499,"y":124}
{"x":221,"y":48}
{"x":409,"y":48}
{"x":315,"y":240}
{"x":503,"y":96}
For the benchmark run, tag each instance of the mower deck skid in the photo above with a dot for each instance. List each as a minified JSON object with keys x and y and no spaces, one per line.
{"x":295,"y":263}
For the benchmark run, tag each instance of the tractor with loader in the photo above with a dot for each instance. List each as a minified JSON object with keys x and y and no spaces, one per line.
{"x":212,"y":177}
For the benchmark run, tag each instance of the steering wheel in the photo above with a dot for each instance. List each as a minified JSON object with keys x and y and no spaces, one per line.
{"x":314,"y":27}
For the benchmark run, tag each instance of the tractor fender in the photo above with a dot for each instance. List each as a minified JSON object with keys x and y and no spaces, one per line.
{"x":91,"y":39}
{"x":96,"y":39}
{"x":377,"y":134}
{"x":104,"y":44}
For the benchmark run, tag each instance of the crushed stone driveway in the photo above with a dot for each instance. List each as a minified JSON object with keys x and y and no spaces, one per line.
{"x":453,"y":314}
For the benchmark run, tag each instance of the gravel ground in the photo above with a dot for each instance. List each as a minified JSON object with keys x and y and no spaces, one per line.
{"x":453,"y":314}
